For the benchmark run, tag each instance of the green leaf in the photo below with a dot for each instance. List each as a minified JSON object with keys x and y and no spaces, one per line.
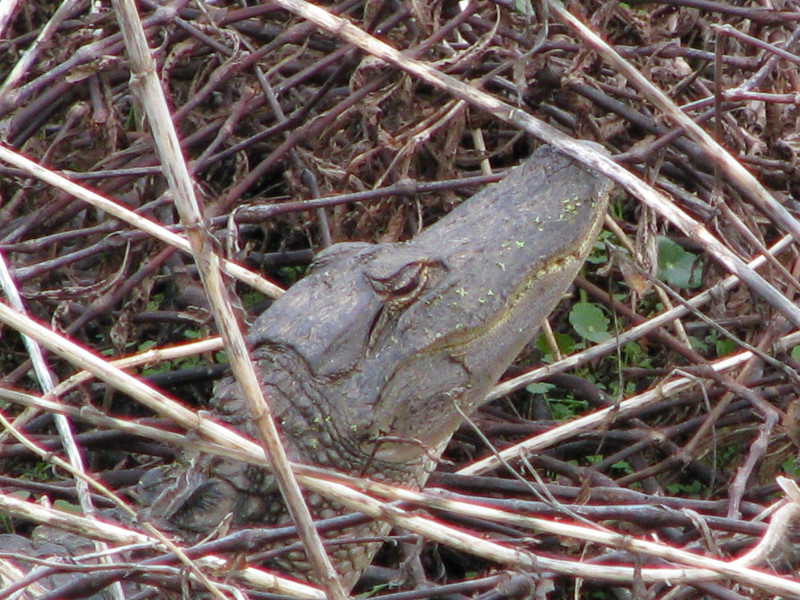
{"x":698,"y":344}
{"x":589,"y":322}
{"x":146,"y":345}
{"x":724,"y":346}
{"x":791,"y":467}
{"x":539,"y":387}
{"x":565,"y":408}
{"x":796,"y":353}
{"x":676,"y":266}
{"x":566,"y":345}
{"x":623,"y":466}
{"x":252,"y":298}
{"x":67,"y":507}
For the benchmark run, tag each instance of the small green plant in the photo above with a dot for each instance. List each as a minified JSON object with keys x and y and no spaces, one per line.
{"x":698,"y":344}
{"x":66,"y":506}
{"x":39,"y":471}
{"x":634,"y":355}
{"x":539,"y":387}
{"x":791,"y":466}
{"x":161,"y":367}
{"x":623,"y":467}
{"x":724,"y":346}
{"x":687,"y":490}
{"x":193,"y":334}
{"x":251,"y":298}
{"x":599,"y":253}
{"x":566,"y":345}
{"x":292,"y":274}
{"x":796,"y":353}
{"x":524,"y":8}
{"x":676,"y":266}
{"x":590,"y":322}
{"x":146,"y":345}
{"x":155,"y":302}
{"x":563,"y":409}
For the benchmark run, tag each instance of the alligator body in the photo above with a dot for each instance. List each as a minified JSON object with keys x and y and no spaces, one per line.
{"x":369,"y":360}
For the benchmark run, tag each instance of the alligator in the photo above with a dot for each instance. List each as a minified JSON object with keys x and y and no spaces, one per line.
{"x":372,"y":358}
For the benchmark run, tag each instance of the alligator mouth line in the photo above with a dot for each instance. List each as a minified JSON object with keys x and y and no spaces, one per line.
{"x":462,"y":337}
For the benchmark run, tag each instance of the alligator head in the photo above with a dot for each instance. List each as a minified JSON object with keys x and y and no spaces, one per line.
{"x":370,"y":360}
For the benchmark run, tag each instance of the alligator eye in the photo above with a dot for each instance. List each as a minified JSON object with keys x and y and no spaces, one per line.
{"x":397,"y":292}
{"x":402,"y":287}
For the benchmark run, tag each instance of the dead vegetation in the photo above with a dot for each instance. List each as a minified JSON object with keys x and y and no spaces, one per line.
{"x":660,"y":459}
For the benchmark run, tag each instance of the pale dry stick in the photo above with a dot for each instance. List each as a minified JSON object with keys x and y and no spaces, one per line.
{"x":219,"y":446}
{"x":400,"y":494}
{"x":480,"y":147}
{"x":104,"y":491}
{"x":47,"y":384}
{"x":504,"y":111}
{"x":139,"y":430}
{"x":224,"y":446}
{"x":743,"y":37}
{"x":461,"y":507}
{"x":233,"y":445}
{"x":158,"y":231}
{"x":8,"y":284}
{"x":321,"y":487}
{"x":60,"y":463}
{"x":229,"y":438}
{"x":10,"y":574}
{"x":15,"y":507}
{"x":588,"y":422}
{"x":582,"y":152}
{"x":735,"y":171}
{"x":57,"y":566}
{"x":89,"y":414}
{"x":147,"y":86}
